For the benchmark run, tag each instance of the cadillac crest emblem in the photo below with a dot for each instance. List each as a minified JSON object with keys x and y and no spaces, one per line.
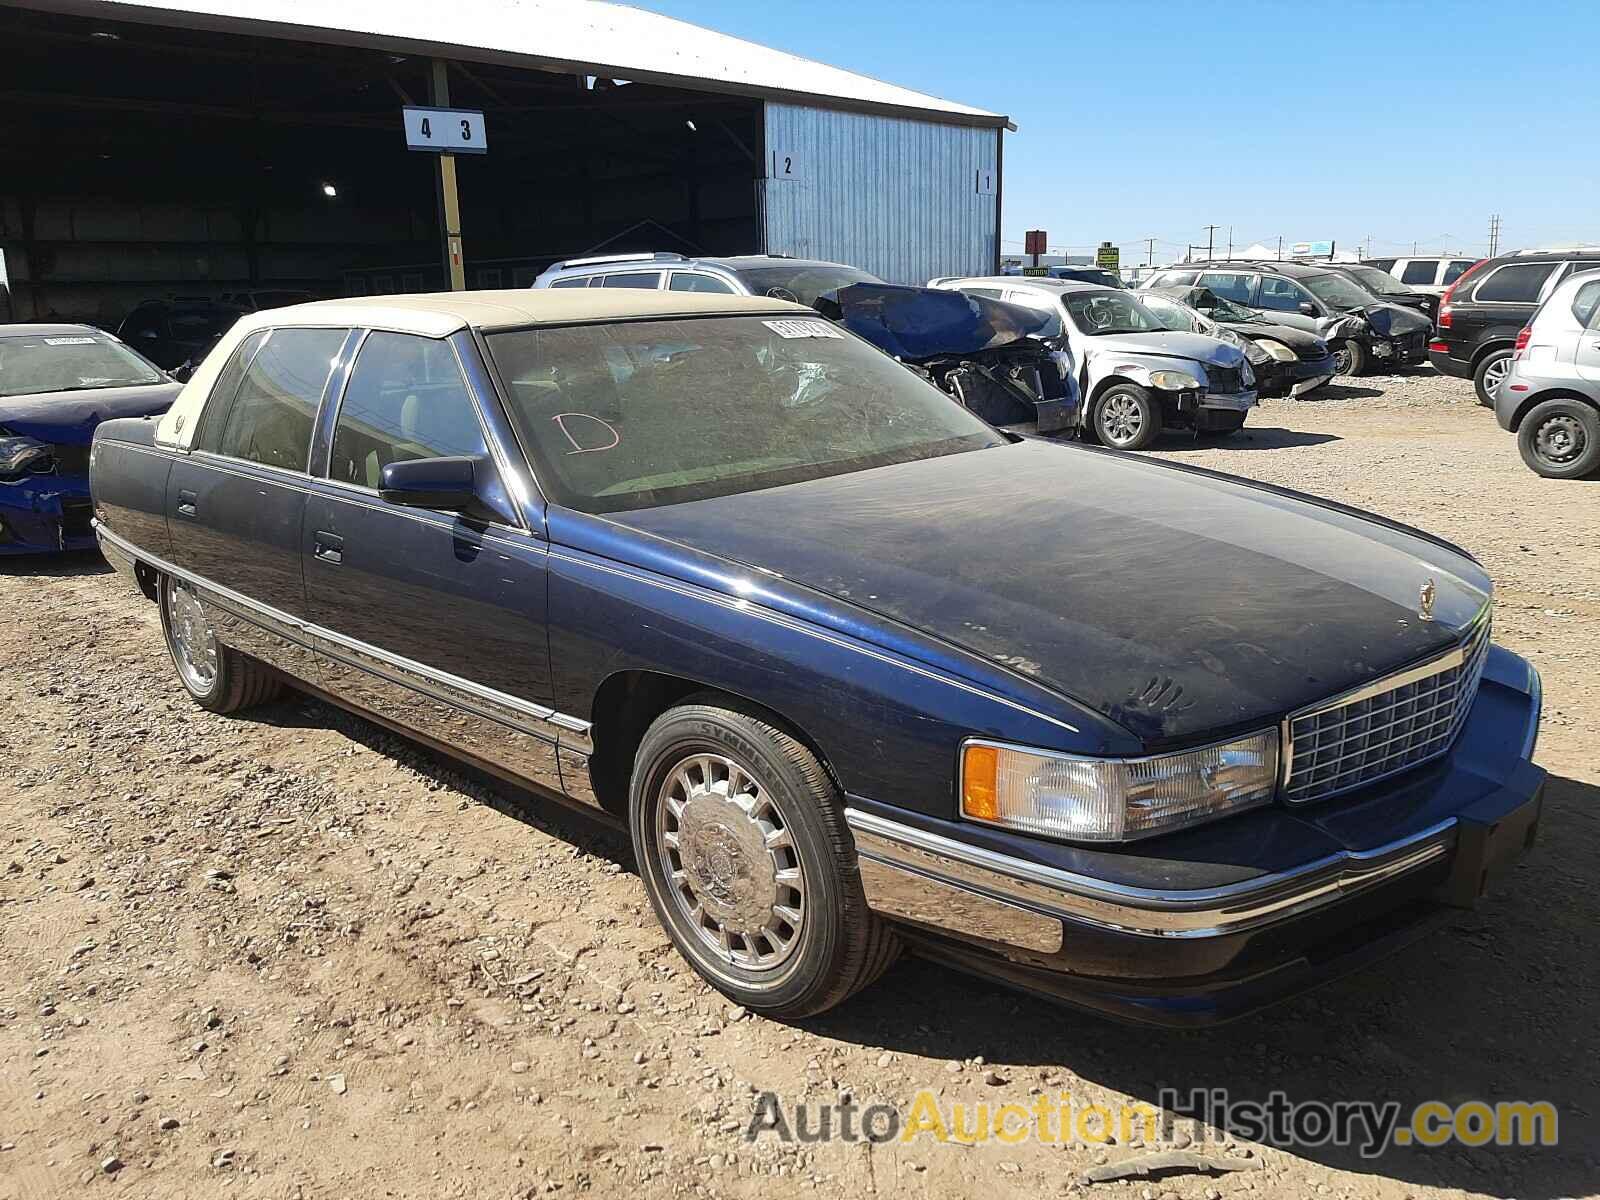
{"x":1425,"y":601}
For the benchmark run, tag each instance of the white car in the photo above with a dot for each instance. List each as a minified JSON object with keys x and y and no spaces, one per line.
{"x":1136,"y":375}
{"x":1550,"y":394}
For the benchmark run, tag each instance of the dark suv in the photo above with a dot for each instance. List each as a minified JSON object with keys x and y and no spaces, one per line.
{"x":1484,"y":310}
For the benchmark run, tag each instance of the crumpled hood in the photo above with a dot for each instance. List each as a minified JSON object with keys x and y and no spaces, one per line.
{"x":70,"y":418}
{"x":1391,"y":320}
{"x":1180,"y":605}
{"x":1196,"y":347}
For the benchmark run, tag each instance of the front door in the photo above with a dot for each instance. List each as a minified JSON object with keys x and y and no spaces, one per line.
{"x":434,"y":620}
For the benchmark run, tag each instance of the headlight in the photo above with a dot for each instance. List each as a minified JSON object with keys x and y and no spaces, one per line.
{"x":1253,"y":352}
{"x":1277,"y":349}
{"x":1174,"y":381}
{"x":17,"y":454}
{"x":1112,"y":800}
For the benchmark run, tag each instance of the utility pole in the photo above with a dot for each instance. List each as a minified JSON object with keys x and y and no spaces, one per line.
{"x":1211,"y":237}
{"x":449,"y":201}
{"x":1230,"y":243}
{"x":1149,"y":251}
{"x":1494,"y":235}
{"x":1280,"y":247}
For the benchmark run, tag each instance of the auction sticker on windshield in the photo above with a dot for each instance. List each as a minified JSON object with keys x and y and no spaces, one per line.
{"x":70,"y":341}
{"x":803,"y":329}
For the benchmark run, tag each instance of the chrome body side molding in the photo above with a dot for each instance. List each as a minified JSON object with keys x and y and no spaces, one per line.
{"x":531,"y":741}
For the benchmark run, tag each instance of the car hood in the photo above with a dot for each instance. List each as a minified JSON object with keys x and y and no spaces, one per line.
{"x":1180,"y":604}
{"x":69,"y":418}
{"x":1392,"y":320}
{"x":1170,"y":344}
{"x":1302,"y":341}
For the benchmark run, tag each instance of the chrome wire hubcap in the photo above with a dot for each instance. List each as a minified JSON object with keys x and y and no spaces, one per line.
{"x":1560,"y":439}
{"x":732,"y":870}
{"x":192,"y":637}
{"x":1120,"y":419}
{"x":1341,"y":361}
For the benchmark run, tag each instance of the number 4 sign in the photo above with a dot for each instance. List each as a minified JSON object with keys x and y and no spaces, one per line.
{"x":445,"y":130}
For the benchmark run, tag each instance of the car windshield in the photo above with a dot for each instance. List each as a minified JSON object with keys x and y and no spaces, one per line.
{"x":37,"y":364}
{"x":801,"y":282}
{"x":1336,"y":291}
{"x":1174,"y":316}
{"x":1110,"y":312}
{"x":637,"y":414}
{"x":1233,"y":314}
{"x":1379,"y":283}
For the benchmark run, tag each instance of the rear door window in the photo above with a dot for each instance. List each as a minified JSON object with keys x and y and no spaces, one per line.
{"x":1514,"y":283}
{"x":270,"y":419}
{"x":1455,"y":269}
{"x":1230,"y":285}
{"x":571,"y":281}
{"x":633,"y":279}
{"x":693,"y":281}
{"x":1420,"y":270}
{"x":1282,"y":295}
{"x":405,"y":399}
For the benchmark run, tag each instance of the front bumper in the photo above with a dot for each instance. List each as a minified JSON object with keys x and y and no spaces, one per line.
{"x":1234,"y":402}
{"x":45,"y":514}
{"x":1135,"y":942}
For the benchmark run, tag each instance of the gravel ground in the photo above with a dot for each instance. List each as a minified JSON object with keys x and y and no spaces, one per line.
{"x":292,"y":955}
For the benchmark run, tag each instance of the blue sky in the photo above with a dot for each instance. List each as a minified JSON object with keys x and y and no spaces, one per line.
{"x":1398,"y":121}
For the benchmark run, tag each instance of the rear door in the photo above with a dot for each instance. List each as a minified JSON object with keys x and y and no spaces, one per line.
{"x":236,"y":503}
{"x":428,"y":597}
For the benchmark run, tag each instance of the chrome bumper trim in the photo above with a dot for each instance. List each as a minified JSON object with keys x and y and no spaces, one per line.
{"x":906,"y":856}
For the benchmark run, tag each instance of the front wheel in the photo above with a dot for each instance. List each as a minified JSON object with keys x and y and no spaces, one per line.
{"x":1560,"y":439}
{"x":1127,"y":417}
{"x":1486,"y":379}
{"x":218,"y":678}
{"x":741,"y":842}
{"x":1350,"y":359}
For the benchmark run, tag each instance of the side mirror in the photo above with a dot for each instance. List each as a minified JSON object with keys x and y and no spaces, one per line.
{"x":183,"y":372}
{"x":1309,"y":309}
{"x":461,"y":484}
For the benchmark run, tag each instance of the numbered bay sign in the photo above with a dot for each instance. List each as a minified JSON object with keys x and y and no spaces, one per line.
{"x":445,"y":130}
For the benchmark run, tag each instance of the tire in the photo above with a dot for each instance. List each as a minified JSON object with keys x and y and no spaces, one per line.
{"x":1350,"y":359}
{"x":1560,"y":439}
{"x":217,"y":677}
{"x":1126,"y":417}
{"x":719,"y":872}
{"x":1486,"y":376}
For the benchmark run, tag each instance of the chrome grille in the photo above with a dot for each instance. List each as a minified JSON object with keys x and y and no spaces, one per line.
{"x":1389,"y":727}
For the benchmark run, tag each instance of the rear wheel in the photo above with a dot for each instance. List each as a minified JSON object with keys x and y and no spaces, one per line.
{"x":741,"y":842}
{"x":1560,"y":439}
{"x":1350,"y":359}
{"x":220,"y":679}
{"x":1486,"y":379}
{"x":1127,"y":417}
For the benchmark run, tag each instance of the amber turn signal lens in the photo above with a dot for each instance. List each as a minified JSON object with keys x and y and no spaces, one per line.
{"x":980,"y":792}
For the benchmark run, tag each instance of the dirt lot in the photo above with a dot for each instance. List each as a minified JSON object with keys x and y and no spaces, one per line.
{"x":291,"y":955}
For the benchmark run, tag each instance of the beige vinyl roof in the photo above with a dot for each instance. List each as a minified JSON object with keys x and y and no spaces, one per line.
{"x":588,"y":37}
{"x":440,"y":314}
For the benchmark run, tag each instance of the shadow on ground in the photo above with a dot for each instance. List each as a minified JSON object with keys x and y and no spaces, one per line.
{"x":1499,"y":1005}
{"x":58,"y":566}
{"x":1251,"y":437}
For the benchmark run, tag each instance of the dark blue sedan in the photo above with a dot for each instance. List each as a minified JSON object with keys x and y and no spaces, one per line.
{"x":57,"y":383}
{"x":857,"y":670}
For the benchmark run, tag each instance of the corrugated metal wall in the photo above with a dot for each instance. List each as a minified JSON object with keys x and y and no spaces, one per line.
{"x":896,"y":197}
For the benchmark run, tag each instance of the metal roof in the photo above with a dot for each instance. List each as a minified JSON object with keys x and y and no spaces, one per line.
{"x":581,"y":37}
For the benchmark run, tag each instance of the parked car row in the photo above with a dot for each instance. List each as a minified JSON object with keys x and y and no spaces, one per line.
{"x":857,"y":670}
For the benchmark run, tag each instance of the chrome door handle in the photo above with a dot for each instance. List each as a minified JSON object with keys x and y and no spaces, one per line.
{"x":328,"y":548}
{"x":186,"y":503}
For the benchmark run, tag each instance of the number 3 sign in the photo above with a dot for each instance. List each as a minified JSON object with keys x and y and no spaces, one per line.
{"x":445,"y":130}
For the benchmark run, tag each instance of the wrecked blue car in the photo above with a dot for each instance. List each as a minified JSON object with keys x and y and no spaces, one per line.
{"x":57,"y":383}
{"x":1009,"y":364}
